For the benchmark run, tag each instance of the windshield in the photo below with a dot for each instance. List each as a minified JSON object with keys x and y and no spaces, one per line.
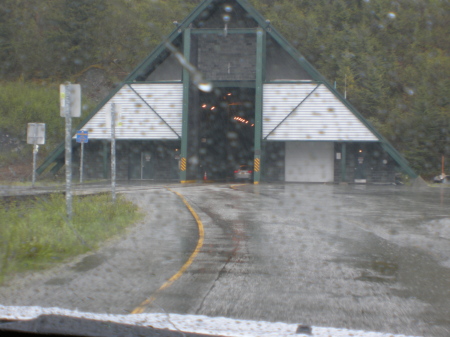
{"x":227,"y":167}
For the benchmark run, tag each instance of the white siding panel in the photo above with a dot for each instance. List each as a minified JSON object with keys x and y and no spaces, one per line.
{"x":138,"y":120}
{"x":321,"y":116}
{"x":309,"y":162}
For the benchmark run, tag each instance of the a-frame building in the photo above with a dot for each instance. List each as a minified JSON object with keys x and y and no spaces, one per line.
{"x":226,"y":89}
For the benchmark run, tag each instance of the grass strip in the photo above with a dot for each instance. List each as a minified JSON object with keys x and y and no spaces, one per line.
{"x":36,"y":234}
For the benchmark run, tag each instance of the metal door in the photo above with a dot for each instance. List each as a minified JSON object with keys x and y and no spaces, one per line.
{"x":147,"y":165}
{"x":360,"y":168}
{"x":309,"y":162}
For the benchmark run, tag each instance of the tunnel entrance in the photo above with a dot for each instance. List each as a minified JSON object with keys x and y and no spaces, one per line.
{"x":226,"y":131}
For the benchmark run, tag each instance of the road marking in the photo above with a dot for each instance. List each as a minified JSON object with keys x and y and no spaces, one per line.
{"x":201,"y":235}
{"x":236,"y":185}
{"x":188,"y":181}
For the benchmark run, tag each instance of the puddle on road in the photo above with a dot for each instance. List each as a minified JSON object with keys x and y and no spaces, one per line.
{"x":58,"y":281}
{"x":86,"y":264}
{"x":378,"y":270}
{"x":416,"y":274}
{"x":89,"y":262}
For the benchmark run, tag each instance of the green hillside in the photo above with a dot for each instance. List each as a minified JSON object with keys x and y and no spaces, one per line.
{"x":390,"y":58}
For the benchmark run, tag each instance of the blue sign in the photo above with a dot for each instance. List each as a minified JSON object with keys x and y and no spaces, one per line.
{"x":82,"y":136}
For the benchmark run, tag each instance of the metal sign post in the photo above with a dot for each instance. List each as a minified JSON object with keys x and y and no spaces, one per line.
{"x":35,"y":136}
{"x":113,"y":151}
{"x":81,"y":162}
{"x":35,"y":152}
{"x":70,"y":101}
{"x":82,"y":137}
{"x":68,"y":157}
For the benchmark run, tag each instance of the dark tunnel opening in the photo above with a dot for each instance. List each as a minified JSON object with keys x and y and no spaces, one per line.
{"x":226,"y":131}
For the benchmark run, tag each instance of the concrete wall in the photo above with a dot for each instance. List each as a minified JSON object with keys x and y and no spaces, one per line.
{"x":97,"y":160}
{"x":280,"y":65}
{"x":227,"y":58}
{"x":169,"y":70}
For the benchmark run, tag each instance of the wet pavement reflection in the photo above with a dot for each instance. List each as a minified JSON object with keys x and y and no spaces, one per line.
{"x":375,"y":258}
{"x":368,"y":257}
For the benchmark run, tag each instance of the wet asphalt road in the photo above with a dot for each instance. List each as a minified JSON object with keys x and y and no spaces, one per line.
{"x":361,"y":257}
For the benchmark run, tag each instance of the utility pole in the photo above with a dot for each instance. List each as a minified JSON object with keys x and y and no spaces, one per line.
{"x":113,"y":151}
{"x":70,"y":101}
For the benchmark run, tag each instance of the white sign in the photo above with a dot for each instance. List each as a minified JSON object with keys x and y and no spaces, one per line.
{"x":118,"y":116}
{"x":74,"y":92}
{"x":36,"y":133}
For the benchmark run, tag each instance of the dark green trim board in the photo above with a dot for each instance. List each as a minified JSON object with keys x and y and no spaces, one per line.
{"x":263,"y":54}
{"x":153,"y":82}
{"x":260,"y":42}
{"x":185,"y":116}
{"x":221,"y":31}
{"x":291,"y":82}
{"x":399,"y":159}
{"x":58,"y":165}
{"x":343,"y":162}
{"x":105,"y":159}
{"x":233,"y":84}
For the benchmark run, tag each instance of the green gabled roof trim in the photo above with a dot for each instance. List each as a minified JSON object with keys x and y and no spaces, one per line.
{"x":401,"y":161}
{"x":162,"y":46}
{"x":59,"y":151}
{"x":315,"y":75}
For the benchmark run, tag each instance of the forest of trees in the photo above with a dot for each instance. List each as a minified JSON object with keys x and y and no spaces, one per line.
{"x":392,"y":55}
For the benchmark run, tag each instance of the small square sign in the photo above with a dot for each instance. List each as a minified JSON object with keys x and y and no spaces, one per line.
{"x":36,"y":133}
{"x":82,"y":136}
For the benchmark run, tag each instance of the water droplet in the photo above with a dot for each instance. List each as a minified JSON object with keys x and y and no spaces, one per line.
{"x":205,"y":86}
{"x":391,"y":15}
{"x":232,"y":135}
{"x":228,"y":9}
{"x":409,"y":91}
{"x":226,"y":18}
{"x":193,"y":160}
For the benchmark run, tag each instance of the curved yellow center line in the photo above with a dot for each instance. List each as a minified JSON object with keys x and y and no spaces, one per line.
{"x":201,"y":234}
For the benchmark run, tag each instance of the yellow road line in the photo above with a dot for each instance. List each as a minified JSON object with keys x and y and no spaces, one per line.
{"x":169,"y":282}
{"x":236,"y":185}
